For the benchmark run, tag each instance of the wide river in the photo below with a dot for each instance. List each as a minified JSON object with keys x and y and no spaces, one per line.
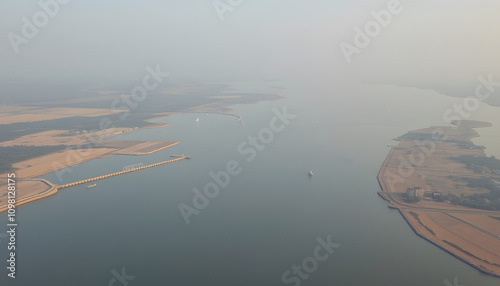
{"x":268,"y":218}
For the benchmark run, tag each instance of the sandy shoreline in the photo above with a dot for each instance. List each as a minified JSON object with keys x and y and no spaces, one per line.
{"x":36,"y":167}
{"x":417,"y":229}
{"x":49,"y":191}
{"x":443,"y":246}
{"x":39,"y":166}
{"x":85,"y":146}
{"x":434,"y":222}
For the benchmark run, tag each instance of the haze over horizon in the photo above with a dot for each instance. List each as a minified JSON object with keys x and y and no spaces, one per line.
{"x":114,"y":40}
{"x":278,"y":142}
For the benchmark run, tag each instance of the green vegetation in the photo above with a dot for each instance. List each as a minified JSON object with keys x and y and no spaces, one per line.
{"x":468,"y":253}
{"x":459,"y":248}
{"x":16,"y":130}
{"x":479,"y":164}
{"x":412,"y":199}
{"x":415,"y":215}
{"x":474,"y":201}
{"x":489,"y":201}
{"x":439,"y":138}
{"x":18,"y":153}
{"x":468,"y":145}
{"x":483,"y":183}
{"x":473,"y":162}
{"x":430,"y":230}
{"x":422,"y":136}
{"x":138,"y":114}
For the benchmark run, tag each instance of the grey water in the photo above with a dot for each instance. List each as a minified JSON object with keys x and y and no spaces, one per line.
{"x":266,"y":220}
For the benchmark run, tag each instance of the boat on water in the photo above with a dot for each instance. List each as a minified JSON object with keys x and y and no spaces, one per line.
{"x":310,"y":173}
{"x":197,"y":119}
{"x":91,"y":186}
{"x":179,"y":156}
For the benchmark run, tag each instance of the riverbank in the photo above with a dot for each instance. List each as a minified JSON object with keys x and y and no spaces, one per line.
{"x":29,"y":170}
{"x":422,"y":232}
{"x":439,"y":174}
{"x":49,"y":190}
{"x":39,"y":166}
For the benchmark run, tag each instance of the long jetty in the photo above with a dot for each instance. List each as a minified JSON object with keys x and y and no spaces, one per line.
{"x":122,"y":172}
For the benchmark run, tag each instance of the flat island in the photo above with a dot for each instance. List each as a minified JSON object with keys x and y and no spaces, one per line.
{"x":448,"y":191}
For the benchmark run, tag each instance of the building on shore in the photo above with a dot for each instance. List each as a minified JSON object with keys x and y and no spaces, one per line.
{"x":416,"y":192}
{"x":432,"y":195}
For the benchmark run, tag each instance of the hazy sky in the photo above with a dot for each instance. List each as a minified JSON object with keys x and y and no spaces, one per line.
{"x":448,"y":42}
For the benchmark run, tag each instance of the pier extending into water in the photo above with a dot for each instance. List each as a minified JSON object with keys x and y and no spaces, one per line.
{"x":122,"y":172}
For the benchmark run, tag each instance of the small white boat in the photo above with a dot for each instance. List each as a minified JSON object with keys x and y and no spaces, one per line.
{"x":310,"y":173}
{"x":197,"y":119}
{"x":91,"y":186}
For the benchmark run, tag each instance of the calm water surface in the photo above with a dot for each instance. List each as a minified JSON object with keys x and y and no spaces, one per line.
{"x":268,"y":217}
